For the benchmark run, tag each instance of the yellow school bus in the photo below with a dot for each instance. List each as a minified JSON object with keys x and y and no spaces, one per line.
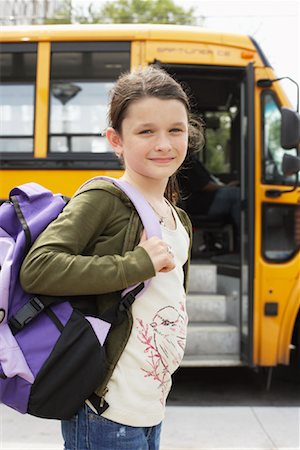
{"x":55,"y":82}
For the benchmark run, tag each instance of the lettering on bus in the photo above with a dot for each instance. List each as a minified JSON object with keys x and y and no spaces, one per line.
{"x":194,"y":51}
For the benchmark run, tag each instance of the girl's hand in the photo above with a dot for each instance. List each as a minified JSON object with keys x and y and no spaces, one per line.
{"x":160,"y":253}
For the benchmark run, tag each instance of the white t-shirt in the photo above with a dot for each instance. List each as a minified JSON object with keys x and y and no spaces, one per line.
{"x":141,"y":381}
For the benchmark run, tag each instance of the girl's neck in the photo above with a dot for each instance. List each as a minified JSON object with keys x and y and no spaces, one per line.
{"x":153,"y":190}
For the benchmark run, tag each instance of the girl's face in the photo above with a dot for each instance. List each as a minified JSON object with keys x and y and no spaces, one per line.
{"x":154,"y":138}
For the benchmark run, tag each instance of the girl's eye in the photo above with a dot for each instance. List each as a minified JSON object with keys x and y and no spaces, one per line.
{"x":145,"y":132}
{"x":176,"y":130}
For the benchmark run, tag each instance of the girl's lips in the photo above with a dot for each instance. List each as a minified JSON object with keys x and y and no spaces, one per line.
{"x":161,"y":160}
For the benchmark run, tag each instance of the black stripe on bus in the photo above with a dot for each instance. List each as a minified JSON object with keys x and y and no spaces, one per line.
{"x":98,"y":46}
{"x":22,"y":47}
{"x":72,"y":162}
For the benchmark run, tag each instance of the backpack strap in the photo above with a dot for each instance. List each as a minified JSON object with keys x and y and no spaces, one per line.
{"x":148,"y":219}
{"x":144,"y":210}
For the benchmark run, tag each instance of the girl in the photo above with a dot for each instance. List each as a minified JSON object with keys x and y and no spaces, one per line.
{"x":96,"y":247}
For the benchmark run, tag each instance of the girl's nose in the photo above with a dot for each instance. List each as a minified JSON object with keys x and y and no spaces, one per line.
{"x":163,"y":144}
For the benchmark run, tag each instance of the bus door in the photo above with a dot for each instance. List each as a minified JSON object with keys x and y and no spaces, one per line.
{"x":247,"y":147}
{"x":224,"y":98}
{"x":277,"y":288}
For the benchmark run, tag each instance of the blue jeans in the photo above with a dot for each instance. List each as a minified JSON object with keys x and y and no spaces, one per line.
{"x":89,"y":431}
{"x":227,"y":202}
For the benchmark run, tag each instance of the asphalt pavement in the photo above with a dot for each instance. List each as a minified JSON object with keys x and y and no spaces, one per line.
{"x":185,"y":428}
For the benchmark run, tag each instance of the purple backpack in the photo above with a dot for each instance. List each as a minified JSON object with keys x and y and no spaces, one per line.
{"x":52,"y":357}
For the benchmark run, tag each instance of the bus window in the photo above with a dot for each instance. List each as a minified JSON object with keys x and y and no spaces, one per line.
{"x":82,"y":74}
{"x":216,"y":99}
{"x":280,"y":231}
{"x":218,"y":134}
{"x":17,"y":92}
{"x":272,"y":150}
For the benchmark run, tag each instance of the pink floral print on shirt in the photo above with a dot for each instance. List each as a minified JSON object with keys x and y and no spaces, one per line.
{"x":164,"y":340}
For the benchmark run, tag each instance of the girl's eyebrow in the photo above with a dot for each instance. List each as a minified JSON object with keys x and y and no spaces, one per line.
{"x":145,"y":125}
{"x":182,"y":124}
{"x":149,"y":124}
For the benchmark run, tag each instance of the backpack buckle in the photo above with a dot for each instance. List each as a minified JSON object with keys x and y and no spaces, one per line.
{"x":25,"y":314}
{"x":127,"y":301}
{"x":130,"y":297}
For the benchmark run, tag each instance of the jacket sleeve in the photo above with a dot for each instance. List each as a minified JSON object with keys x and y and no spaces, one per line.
{"x":63,"y":260}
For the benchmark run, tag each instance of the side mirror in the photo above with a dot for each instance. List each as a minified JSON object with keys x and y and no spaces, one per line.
{"x":290,"y":164}
{"x":290,"y":128}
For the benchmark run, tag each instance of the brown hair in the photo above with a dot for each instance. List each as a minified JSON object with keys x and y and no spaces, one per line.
{"x":152,"y":81}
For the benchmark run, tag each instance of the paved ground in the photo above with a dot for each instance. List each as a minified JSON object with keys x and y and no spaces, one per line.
{"x":234,"y":386}
{"x":193,"y":427}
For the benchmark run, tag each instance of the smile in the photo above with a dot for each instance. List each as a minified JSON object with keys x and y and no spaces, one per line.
{"x":162,"y":160}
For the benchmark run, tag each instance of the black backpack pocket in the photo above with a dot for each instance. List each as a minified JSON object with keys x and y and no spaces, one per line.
{"x":72,"y":372}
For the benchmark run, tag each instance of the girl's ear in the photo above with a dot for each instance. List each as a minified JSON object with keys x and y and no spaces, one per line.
{"x":115,"y":140}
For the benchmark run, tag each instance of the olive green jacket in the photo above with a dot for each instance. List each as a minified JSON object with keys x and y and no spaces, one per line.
{"x":90,"y":253}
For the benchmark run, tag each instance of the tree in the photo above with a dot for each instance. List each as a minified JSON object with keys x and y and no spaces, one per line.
{"x":216,"y":144}
{"x":63,"y":14}
{"x":139,"y":11}
{"x":124,"y":11}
